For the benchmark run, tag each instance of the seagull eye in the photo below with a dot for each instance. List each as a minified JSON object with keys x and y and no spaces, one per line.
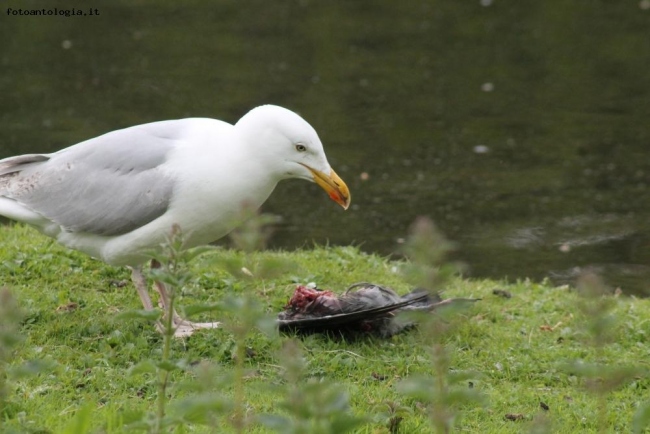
{"x":301,"y":148}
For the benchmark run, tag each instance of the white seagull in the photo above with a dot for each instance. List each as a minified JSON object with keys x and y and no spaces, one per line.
{"x":117,"y":196}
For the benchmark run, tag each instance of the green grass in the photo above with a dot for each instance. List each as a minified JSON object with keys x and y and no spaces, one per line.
{"x":70,"y":303}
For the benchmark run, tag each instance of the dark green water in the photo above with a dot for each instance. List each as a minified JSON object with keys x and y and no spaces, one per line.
{"x":521,"y":127}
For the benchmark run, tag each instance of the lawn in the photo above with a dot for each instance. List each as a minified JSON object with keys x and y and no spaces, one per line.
{"x":537,"y":361}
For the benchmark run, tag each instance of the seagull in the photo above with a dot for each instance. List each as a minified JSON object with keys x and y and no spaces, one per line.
{"x":117,"y":196}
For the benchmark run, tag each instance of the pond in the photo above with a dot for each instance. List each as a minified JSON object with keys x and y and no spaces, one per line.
{"x":521,"y":128}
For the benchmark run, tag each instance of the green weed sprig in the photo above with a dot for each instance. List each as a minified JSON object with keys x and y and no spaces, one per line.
{"x":312,"y":405}
{"x":10,"y":337}
{"x":428,"y":268}
{"x":172,"y":271}
{"x":598,"y":325}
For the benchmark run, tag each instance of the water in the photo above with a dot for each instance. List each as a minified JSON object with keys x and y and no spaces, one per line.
{"x":521,"y":128}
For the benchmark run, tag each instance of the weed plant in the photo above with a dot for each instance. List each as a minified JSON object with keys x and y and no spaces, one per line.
{"x":599,"y":328}
{"x":446,"y":389}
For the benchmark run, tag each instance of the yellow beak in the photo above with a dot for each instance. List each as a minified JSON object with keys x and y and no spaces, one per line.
{"x":333,"y":185}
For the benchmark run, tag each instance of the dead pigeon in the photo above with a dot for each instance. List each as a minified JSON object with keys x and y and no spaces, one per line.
{"x":363,"y":308}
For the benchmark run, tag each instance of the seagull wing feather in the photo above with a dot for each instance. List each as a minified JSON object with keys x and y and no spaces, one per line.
{"x":109,"y":185}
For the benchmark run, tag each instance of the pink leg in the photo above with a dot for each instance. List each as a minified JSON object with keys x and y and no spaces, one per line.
{"x":141,"y":285}
{"x":182,"y":327}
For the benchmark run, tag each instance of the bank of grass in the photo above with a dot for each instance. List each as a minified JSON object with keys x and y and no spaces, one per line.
{"x":519,"y":348}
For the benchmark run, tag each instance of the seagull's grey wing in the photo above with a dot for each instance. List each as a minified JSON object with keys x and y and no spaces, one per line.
{"x":21,"y":162}
{"x":109,"y":185}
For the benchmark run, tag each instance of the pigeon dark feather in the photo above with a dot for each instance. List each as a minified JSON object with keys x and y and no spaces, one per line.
{"x":362,"y":308}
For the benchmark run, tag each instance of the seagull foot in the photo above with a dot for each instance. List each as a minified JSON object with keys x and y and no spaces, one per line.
{"x":184,"y":328}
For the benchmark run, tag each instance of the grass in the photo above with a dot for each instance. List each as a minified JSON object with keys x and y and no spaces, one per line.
{"x":525,"y":350}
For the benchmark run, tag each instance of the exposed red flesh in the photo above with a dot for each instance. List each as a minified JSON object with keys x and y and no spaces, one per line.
{"x":312,"y":301}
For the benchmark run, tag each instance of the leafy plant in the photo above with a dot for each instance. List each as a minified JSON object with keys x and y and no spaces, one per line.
{"x":10,"y":337}
{"x":173,"y":272}
{"x":11,"y":316}
{"x":598,"y":324}
{"x":245,"y":314}
{"x":443,"y":392}
{"x":313,"y":405}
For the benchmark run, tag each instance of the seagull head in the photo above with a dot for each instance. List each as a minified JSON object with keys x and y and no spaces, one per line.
{"x":291,"y":146}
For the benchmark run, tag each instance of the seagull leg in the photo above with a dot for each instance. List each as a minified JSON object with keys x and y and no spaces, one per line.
{"x":140,"y":283}
{"x":182,"y":327}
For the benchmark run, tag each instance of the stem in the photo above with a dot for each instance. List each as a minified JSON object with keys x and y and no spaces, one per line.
{"x":602,"y":395}
{"x":238,"y":417}
{"x":9,"y":320}
{"x":3,"y":389}
{"x":167,"y":341}
{"x":439,"y":413}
